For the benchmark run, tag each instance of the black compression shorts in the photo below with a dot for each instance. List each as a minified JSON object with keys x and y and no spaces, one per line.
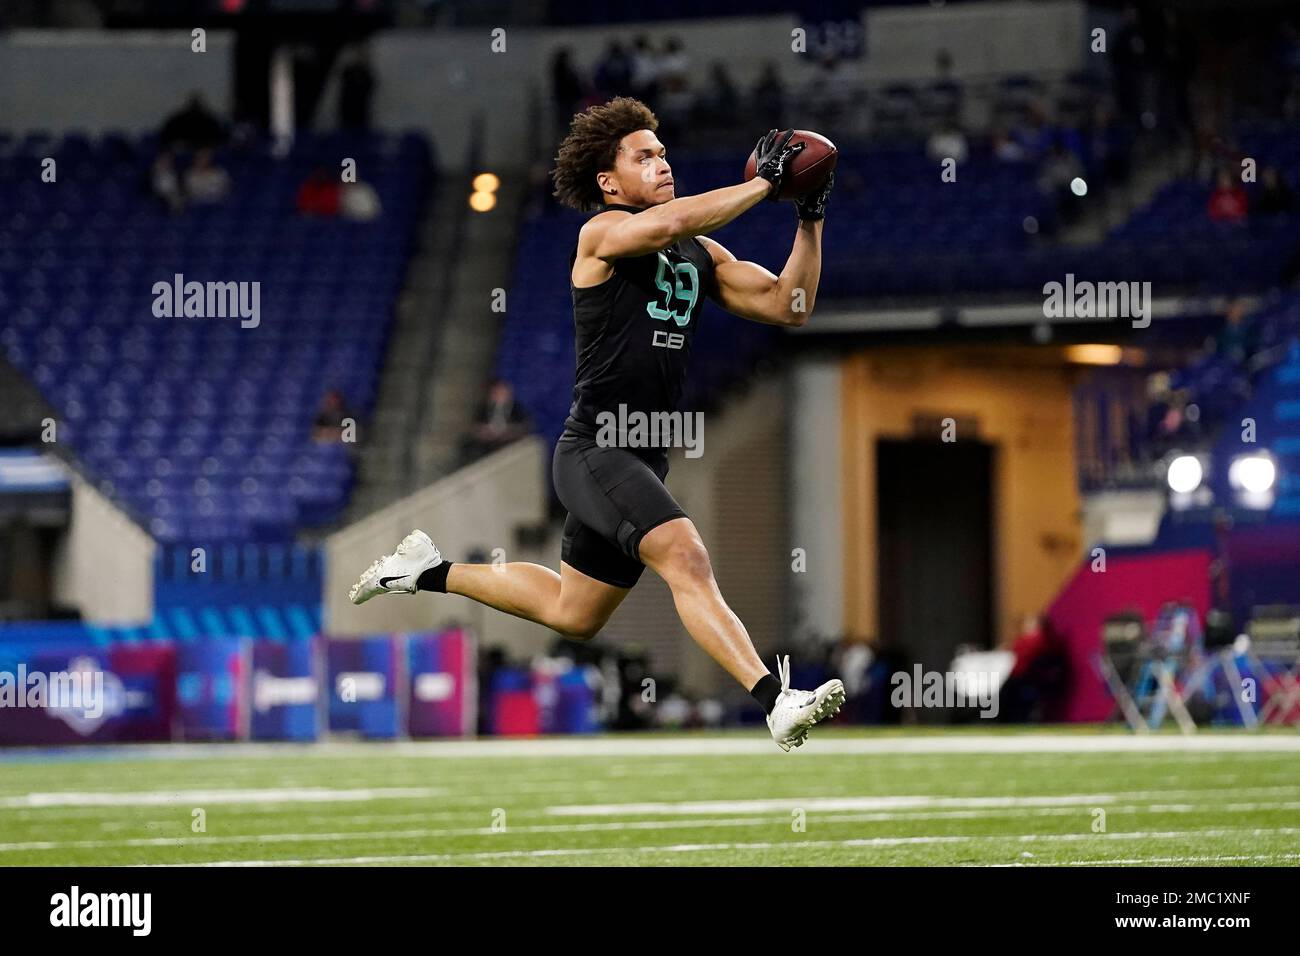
{"x":614,"y":497}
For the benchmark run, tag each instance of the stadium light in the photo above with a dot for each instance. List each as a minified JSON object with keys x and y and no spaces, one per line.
{"x":1252,"y":477}
{"x":1079,"y":186}
{"x":1093,"y":353}
{"x":486,"y":183}
{"x":1185,"y":474}
{"x":482,"y":201}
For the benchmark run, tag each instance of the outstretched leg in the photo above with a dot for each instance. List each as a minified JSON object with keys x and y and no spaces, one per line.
{"x":569,"y":602}
{"x":676,"y":553}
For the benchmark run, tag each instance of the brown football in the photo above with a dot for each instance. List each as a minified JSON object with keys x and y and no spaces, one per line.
{"x":810,"y":167}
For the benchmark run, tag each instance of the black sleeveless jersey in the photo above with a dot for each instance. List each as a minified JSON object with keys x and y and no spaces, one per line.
{"x":634,"y":331}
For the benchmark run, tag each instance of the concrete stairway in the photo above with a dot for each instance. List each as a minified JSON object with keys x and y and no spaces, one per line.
{"x":468,"y":330}
{"x":386,"y":462}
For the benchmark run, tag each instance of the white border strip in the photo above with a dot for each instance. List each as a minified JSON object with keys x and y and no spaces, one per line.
{"x":756,"y":744}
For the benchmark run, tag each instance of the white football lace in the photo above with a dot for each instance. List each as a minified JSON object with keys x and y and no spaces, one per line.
{"x":783,"y":669}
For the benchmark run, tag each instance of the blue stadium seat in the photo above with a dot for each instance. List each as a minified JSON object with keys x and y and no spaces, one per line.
{"x":198,"y":425}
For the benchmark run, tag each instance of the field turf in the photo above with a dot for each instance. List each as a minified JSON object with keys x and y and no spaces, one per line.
{"x":853,"y":797}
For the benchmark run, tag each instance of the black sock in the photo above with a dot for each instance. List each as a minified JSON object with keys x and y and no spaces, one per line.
{"x":435,"y":579}
{"x":766,"y":691}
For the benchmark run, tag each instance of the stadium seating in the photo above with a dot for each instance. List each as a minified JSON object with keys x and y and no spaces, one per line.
{"x":1263,"y":386}
{"x":1274,"y":406}
{"x":1175,"y":242}
{"x":896,"y":227}
{"x":251,"y":589}
{"x":198,"y":426}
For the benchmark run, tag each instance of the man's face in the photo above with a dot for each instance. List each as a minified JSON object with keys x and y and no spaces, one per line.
{"x":641,"y":175}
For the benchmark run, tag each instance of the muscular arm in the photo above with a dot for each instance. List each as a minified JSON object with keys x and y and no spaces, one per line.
{"x":621,"y":235}
{"x":748,"y":290}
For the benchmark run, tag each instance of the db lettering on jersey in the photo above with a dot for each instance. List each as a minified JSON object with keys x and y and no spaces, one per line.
{"x":668,"y":340}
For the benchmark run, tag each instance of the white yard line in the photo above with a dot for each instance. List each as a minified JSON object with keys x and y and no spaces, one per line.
{"x":793,"y":844}
{"x":1139,"y":861}
{"x":47,"y":806}
{"x":629,"y":825}
{"x":758,"y":745}
{"x":839,"y":804}
{"x":833,"y":819}
{"x":1254,"y":858}
{"x":195,"y":798}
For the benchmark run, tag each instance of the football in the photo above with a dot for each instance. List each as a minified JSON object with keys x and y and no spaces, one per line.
{"x":811,"y":165}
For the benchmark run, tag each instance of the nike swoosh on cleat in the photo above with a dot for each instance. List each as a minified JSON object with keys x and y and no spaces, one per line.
{"x":383,"y":582}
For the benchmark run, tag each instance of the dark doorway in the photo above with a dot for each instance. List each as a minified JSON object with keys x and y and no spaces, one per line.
{"x":935,"y":546}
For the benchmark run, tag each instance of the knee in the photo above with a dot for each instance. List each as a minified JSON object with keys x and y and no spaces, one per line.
{"x":579,"y":626}
{"x":688,"y":562}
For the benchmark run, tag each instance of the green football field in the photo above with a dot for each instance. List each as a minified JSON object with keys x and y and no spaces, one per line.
{"x":850,"y":797}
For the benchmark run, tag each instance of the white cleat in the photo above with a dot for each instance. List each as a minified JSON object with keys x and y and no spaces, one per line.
{"x":797,"y":710}
{"x":399,"y":572}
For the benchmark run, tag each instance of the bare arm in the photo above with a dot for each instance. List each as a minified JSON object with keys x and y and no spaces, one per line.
{"x":620,"y":236}
{"x":748,"y":290}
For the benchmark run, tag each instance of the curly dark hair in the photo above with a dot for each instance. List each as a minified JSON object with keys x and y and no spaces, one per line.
{"x":592,"y":146}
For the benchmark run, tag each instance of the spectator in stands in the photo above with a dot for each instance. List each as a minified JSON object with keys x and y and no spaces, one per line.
{"x":719,"y":104}
{"x":1038,"y":676}
{"x":674,"y":63}
{"x":947,"y":142}
{"x":165,"y":184}
{"x":1227,"y":203}
{"x":832,"y":90}
{"x":943,"y":65}
{"x":1004,"y":148}
{"x":359,"y":202}
{"x":500,"y":421}
{"x":205,"y":181}
{"x":768,"y":96}
{"x":1209,"y":145}
{"x":1275,"y":197}
{"x":1107,"y":148}
{"x":332,"y":418}
{"x":1157,"y":403}
{"x":646,"y":70}
{"x":1234,"y":343}
{"x":676,"y":107}
{"x":320,"y":195}
{"x":943,"y":95}
{"x":567,"y":86}
{"x":1036,"y":135}
{"x":614,"y":72}
{"x":193,"y":128}
{"x":356,"y":88}
{"x":541,"y":193}
{"x":1168,"y":425}
{"x":1055,"y":179}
